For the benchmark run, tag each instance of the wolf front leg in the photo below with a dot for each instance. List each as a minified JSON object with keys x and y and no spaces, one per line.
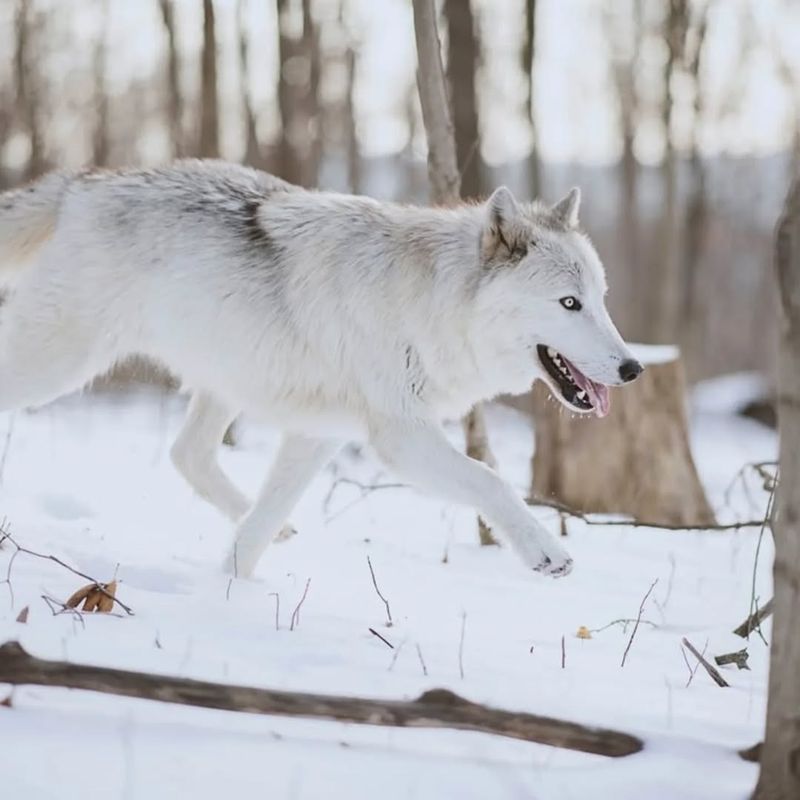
{"x":298,"y":461}
{"x":418,"y":451}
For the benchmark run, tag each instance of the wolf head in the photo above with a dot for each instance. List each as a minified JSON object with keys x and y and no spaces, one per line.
{"x":545,"y":283}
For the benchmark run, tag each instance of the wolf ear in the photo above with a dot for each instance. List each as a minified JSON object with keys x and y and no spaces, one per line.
{"x":503,"y":237}
{"x":565,"y":211}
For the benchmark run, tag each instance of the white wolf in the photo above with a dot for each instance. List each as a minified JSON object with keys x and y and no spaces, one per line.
{"x":331,"y":316}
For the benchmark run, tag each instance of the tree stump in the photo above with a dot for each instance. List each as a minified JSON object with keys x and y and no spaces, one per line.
{"x":636,"y":461}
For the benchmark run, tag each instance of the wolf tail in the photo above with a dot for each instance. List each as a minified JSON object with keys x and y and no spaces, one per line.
{"x":28,"y":218}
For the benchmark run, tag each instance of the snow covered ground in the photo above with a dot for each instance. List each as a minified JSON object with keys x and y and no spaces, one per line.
{"x":89,"y":479}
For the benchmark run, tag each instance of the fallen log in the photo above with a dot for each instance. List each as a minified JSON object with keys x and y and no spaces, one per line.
{"x":437,"y":708}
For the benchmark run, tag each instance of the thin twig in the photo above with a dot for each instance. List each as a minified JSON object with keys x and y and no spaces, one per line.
{"x":4,"y":534}
{"x":625,"y":621}
{"x":365,"y":489}
{"x":753,"y":599}
{"x":396,"y":654}
{"x":228,"y":590}
{"x":296,"y":613}
{"x":421,"y":660}
{"x":709,"y":668}
{"x":636,"y":523}
{"x":7,"y":444}
{"x":563,"y":653}
{"x":57,"y":607}
{"x":638,"y":621}
{"x":277,"y":609}
{"x":389,"y":622}
{"x":383,"y":639}
{"x":692,"y":670}
{"x":461,"y":644}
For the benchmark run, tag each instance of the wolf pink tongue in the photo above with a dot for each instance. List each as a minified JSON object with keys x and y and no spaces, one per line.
{"x":597,"y":392}
{"x":601,"y":400}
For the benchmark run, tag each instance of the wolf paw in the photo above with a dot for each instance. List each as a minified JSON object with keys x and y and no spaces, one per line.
{"x":557,"y":569}
{"x":288,"y":531}
{"x":546,"y":555}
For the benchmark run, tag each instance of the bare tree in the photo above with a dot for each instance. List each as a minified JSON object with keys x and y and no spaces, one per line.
{"x":528,"y":66}
{"x":696,"y":216}
{"x":667,"y":294}
{"x":28,"y":89}
{"x":625,"y":64}
{"x":101,"y":143}
{"x":174,"y":95}
{"x":353,"y":151}
{"x":252,"y":153}
{"x":209,"y":106}
{"x":444,"y":178}
{"x":299,"y":150}
{"x":780,"y":757}
{"x":462,"y":63}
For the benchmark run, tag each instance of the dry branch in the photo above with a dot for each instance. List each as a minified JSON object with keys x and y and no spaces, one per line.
{"x":754,"y":621}
{"x":438,"y":708}
{"x":563,"y":508}
{"x":382,"y":638}
{"x":638,"y":621}
{"x":709,"y":668}
{"x":739,"y":658}
{"x":389,"y":622}
{"x":295,"y":620}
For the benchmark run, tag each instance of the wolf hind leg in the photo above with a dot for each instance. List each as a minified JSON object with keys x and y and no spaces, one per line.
{"x":194,"y":454}
{"x":45,"y":354}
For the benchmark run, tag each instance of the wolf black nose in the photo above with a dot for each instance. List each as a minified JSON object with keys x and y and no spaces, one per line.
{"x":630,"y":370}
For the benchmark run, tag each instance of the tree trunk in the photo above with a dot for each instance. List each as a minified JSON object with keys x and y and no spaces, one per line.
{"x":636,"y":461}
{"x":174,"y":96}
{"x":444,"y":178}
{"x":299,"y":148}
{"x":462,"y":62}
{"x":209,"y":113}
{"x":26,"y":76}
{"x":353,"y":151}
{"x":780,"y":756}
{"x":101,"y":143}
{"x":252,"y":154}
{"x":667,"y":280}
{"x":636,"y":278}
{"x":528,"y":64}
{"x":696,"y":217}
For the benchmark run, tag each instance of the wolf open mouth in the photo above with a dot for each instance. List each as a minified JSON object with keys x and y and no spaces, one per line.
{"x":578,"y":392}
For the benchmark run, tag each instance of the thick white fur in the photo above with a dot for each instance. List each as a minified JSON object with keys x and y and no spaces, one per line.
{"x":330,"y":316}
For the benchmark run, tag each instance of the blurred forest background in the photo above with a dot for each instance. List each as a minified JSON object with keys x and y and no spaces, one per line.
{"x":680,"y":120}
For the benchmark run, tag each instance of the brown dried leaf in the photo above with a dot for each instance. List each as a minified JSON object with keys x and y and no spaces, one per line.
{"x":105,"y":603}
{"x":92,"y":600}
{"x":584,"y":633}
{"x":80,"y":595}
{"x":22,"y":617}
{"x":95,"y":597}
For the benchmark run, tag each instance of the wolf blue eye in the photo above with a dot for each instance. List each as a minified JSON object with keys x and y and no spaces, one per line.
{"x":571,"y":303}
